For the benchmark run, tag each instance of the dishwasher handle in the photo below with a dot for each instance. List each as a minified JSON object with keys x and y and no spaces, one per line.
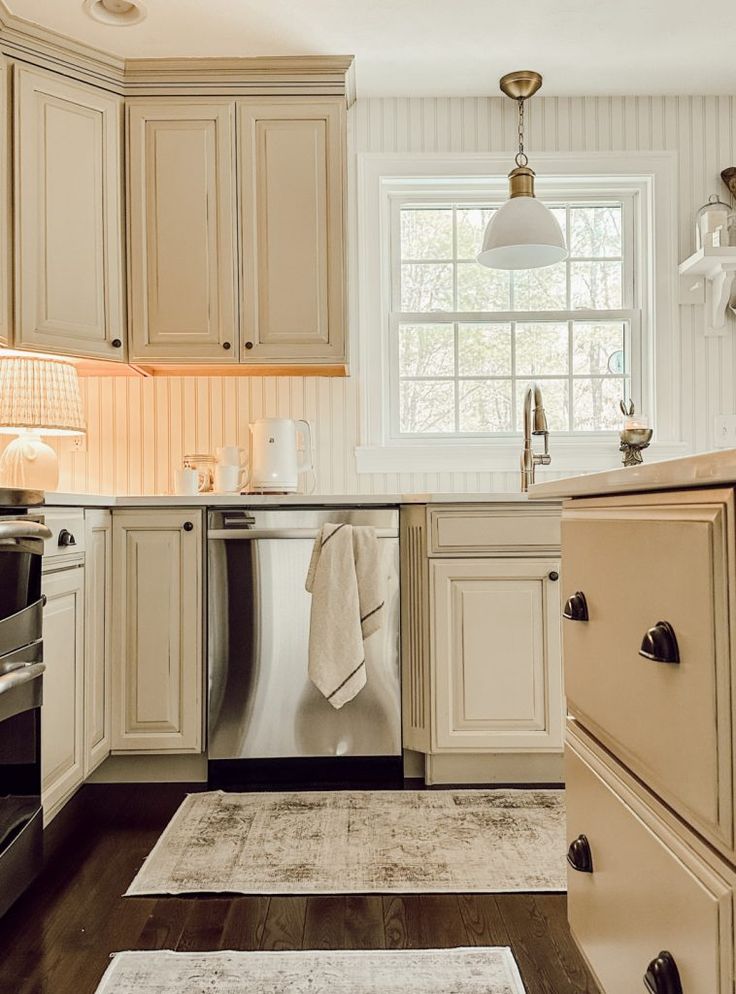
{"x":252,"y":534}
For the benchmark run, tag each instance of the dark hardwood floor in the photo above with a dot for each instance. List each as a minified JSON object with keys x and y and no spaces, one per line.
{"x":58,"y":938}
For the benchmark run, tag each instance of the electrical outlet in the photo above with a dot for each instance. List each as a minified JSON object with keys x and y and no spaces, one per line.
{"x":725,"y":431}
{"x":79,"y":443}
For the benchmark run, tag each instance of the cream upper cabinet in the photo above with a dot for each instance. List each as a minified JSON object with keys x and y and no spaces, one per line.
{"x":157,"y":631}
{"x":291,"y":169}
{"x":68,"y":222}
{"x":62,"y":715}
{"x":6,"y":211}
{"x":182,"y":230}
{"x":496,"y":655}
{"x":97,"y":640}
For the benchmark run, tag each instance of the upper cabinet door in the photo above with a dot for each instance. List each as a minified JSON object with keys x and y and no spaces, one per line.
{"x":181,"y":176}
{"x":68,"y":176}
{"x":6,"y":213}
{"x":292,"y":207}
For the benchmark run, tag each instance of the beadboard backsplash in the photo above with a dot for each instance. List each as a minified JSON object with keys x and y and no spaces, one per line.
{"x":140,"y":429}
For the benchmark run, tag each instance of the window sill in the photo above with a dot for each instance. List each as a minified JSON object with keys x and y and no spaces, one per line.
{"x":569,"y":455}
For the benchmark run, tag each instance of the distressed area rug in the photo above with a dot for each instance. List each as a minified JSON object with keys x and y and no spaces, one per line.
{"x":425,"y":971}
{"x":345,"y":842}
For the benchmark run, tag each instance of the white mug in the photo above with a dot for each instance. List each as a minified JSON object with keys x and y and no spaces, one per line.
{"x":230,"y":455}
{"x":186,"y":482}
{"x":228,"y":479}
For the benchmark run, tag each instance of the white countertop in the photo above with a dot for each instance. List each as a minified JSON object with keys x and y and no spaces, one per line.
{"x":272,"y":500}
{"x":709,"y":469}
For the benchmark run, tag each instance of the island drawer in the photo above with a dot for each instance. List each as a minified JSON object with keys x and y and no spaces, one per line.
{"x":649,"y":891}
{"x":638,"y":565}
{"x":501,"y":529}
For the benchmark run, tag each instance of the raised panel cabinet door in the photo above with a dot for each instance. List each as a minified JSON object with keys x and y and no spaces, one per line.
{"x":182,"y":231}
{"x":496,"y":673}
{"x":6,"y":211}
{"x":62,"y":714}
{"x":292,"y":213}
{"x":97,"y":640}
{"x":157,"y":631}
{"x":68,"y":219}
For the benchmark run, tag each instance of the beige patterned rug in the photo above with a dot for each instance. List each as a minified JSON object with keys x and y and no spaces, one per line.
{"x":346,"y":842}
{"x":423,"y":971}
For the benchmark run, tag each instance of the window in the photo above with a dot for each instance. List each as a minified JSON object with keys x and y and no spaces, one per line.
{"x":466,"y":341}
{"x":604,"y":323}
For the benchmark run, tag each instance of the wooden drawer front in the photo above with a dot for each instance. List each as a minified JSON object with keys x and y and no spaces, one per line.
{"x":502,"y":529}
{"x":648,"y":890}
{"x":669,"y":722}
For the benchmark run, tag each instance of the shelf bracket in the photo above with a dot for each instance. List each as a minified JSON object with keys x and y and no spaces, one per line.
{"x":718,"y":292}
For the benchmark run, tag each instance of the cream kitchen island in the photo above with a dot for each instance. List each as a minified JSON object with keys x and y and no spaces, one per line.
{"x":649,"y":593}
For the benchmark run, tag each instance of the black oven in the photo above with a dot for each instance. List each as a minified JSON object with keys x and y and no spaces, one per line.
{"x":22,"y":535}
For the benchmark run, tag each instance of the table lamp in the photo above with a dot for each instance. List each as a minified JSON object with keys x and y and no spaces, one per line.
{"x":37,"y":397}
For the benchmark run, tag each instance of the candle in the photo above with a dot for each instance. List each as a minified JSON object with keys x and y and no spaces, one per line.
{"x":635,"y":422}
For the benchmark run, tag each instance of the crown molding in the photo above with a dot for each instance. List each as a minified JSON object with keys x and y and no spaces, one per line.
{"x":313,"y":75}
{"x":307,"y":75}
{"x":31,"y":42}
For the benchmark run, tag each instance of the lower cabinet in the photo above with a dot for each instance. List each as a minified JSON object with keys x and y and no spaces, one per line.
{"x":480,"y":640}
{"x":496,"y":658}
{"x":62,"y":715}
{"x":157,"y":631}
{"x":97,"y":638}
{"x":646,"y":896}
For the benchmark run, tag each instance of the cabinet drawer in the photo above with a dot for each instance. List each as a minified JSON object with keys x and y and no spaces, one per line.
{"x":500,"y":529}
{"x":648,"y":892}
{"x":670,"y":722}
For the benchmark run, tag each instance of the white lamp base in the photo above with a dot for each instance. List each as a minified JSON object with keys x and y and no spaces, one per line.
{"x":28,"y":463}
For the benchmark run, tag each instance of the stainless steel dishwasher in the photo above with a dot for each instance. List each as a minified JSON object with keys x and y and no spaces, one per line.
{"x":263,"y":708}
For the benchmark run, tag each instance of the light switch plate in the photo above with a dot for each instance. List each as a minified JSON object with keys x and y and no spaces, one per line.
{"x":725,"y":431}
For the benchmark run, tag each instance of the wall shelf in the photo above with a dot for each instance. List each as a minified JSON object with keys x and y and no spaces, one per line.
{"x":707,"y":276}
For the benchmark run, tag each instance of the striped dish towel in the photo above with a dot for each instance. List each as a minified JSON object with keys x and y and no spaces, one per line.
{"x":347,"y":588}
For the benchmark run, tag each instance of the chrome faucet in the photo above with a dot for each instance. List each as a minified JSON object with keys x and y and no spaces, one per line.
{"x":534,"y":424}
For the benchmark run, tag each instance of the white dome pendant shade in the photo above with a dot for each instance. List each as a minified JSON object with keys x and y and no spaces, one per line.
{"x":523,"y":234}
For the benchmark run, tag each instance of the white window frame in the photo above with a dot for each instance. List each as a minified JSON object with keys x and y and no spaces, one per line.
{"x":644,"y":181}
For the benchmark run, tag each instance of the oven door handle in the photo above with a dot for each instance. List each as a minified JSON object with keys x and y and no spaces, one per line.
{"x":16,"y":678}
{"x":15,"y":531}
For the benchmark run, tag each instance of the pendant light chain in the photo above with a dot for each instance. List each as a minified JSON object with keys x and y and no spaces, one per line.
{"x":521,"y":158}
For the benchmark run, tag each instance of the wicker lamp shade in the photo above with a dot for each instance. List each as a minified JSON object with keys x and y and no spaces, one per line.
{"x":40,"y":395}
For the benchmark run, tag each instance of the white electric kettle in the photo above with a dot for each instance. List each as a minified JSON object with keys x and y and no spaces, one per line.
{"x":275,"y":460}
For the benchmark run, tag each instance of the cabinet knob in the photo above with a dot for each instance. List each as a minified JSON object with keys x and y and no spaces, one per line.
{"x":576,"y":607}
{"x":660,"y":644}
{"x":226,"y":346}
{"x":249,"y":345}
{"x":44,"y":600}
{"x":579,"y":855}
{"x":662,"y":976}
{"x":66,"y":538}
{"x":188,"y":526}
{"x":553,"y":575}
{"x":116,"y":343}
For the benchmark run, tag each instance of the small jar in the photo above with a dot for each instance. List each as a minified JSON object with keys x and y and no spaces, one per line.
{"x":711,"y":224}
{"x":204,"y":464}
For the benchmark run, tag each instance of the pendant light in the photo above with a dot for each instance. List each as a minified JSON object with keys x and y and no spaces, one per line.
{"x":523,"y":234}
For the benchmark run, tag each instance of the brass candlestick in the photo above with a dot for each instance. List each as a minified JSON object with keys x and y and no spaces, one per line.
{"x":633,"y":438}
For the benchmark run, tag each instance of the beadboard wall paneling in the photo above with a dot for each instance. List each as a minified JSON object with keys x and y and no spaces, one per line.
{"x":139,"y":430}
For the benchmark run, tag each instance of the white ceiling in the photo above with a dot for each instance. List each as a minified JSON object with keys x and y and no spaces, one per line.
{"x":443,"y":47}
